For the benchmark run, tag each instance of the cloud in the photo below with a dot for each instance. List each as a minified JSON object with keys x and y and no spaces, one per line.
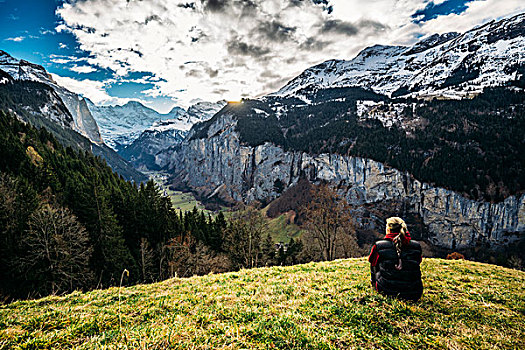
{"x":82,"y":69}
{"x":214,"y":49}
{"x":92,"y":89}
{"x":63,"y":59}
{"x":275,"y":31}
{"x":339,"y":27}
{"x":215,"y":5}
{"x":16,"y":39}
{"x":236,"y":47}
{"x":46,"y":32}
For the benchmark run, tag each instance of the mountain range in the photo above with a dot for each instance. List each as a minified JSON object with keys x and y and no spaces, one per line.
{"x":450,"y":65}
{"x":28,"y":91}
{"x":77,"y":121}
{"x":433,"y":131}
{"x":152,"y":146}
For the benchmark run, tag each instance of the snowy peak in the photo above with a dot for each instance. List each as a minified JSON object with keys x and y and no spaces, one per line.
{"x":83,"y":121}
{"x":451,"y":65}
{"x":176,"y":111}
{"x":153,"y":147}
{"x":205,"y":110}
{"x":23,"y":70}
{"x":122,"y":125}
{"x":119,"y":125}
{"x":430,"y":42}
{"x":196,"y":113}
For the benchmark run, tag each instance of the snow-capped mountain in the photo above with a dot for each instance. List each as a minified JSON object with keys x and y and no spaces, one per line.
{"x":83,"y":121}
{"x":450,"y":65}
{"x":202,"y":111}
{"x":147,"y":150}
{"x":121,"y":125}
{"x":29,"y":92}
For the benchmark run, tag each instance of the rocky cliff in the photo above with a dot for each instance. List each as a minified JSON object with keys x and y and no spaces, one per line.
{"x":220,"y":164}
{"x":83,"y":121}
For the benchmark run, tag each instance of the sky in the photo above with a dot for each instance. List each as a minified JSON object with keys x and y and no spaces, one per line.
{"x":170,"y":52}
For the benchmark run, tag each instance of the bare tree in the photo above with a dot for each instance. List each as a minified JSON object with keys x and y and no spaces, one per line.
{"x":329,"y":224}
{"x":185,"y":258}
{"x":58,"y":250}
{"x":146,"y":260}
{"x":244,"y":238}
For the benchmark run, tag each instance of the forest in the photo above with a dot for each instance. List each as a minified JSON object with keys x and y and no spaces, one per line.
{"x":68,"y":222}
{"x":472,"y":146}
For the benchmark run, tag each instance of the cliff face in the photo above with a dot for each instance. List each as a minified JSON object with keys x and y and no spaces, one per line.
{"x":220,"y":164}
{"x":84,"y":123}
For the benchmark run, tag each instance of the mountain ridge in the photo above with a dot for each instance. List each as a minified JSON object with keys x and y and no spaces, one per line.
{"x":31,"y":93}
{"x":418,"y":72}
{"x":123,"y":124}
{"x":424,"y":157}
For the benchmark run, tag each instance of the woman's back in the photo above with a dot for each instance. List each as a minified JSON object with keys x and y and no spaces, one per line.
{"x":394,"y":263}
{"x":389,"y":279}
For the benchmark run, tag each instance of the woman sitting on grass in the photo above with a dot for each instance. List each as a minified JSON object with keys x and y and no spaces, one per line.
{"x":394,"y":263}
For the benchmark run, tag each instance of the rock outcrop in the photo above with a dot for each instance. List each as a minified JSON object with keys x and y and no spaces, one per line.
{"x":251,"y":173}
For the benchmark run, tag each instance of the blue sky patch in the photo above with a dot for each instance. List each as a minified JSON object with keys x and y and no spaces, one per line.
{"x":432,"y":11}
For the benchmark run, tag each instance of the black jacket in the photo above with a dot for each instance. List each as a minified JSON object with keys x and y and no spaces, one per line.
{"x":405,"y":283}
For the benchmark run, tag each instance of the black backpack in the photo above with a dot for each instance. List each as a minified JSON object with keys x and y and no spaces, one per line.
{"x":404,"y":283}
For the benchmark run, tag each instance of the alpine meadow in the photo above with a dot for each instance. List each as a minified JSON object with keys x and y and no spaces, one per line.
{"x":262,"y":174}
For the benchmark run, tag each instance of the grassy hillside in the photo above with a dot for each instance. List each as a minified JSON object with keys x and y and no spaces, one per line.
{"x":326,"y":305}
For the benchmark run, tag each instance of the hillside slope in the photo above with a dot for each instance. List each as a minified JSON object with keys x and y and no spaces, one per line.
{"x":328,"y":305}
{"x":452,"y":64}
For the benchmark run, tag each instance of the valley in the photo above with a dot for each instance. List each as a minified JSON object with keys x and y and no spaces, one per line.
{"x":432,"y":132}
{"x":262,"y":174}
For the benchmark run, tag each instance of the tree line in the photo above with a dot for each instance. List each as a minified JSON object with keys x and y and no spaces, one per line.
{"x":472,"y":146}
{"x":68,"y":222}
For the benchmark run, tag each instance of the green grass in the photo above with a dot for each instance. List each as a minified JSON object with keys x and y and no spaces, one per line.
{"x":281,"y":230}
{"x":184,"y":201}
{"x":181,"y":201}
{"x":327,"y":305}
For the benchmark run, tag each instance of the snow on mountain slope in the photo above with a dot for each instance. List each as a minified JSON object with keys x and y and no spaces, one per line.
{"x":83,"y":121}
{"x":164,"y":134}
{"x":121,"y":125}
{"x":450,"y":64}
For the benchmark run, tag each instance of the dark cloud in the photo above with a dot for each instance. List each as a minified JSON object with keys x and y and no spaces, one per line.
{"x":312,"y":44}
{"x":249,"y":8}
{"x":237,"y":47}
{"x":212,"y":73}
{"x":195,"y":73}
{"x":269,"y":74}
{"x":215,"y":5}
{"x":276,"y":31}
{"x":367,"y":23}
{"x":246,"y":7}
{"x":336,"y":26}
{"x":277,"y":83}
{"x":339,"y":27}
